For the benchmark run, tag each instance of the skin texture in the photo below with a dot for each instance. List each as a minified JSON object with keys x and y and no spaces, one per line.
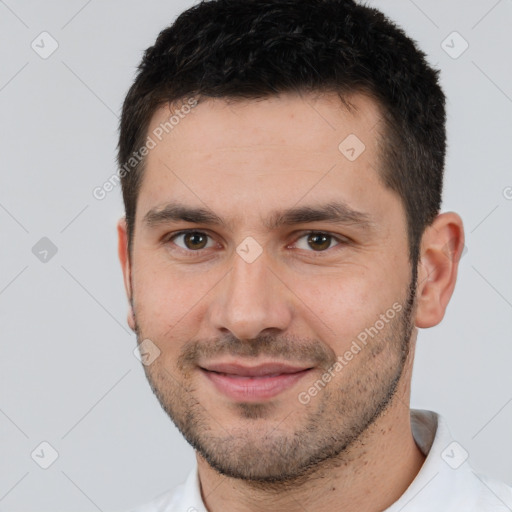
{"x":302,"y":301}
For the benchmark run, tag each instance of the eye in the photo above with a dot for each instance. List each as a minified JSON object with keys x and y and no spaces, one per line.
{"x":191,"y":240}
{"x":318,"y":241}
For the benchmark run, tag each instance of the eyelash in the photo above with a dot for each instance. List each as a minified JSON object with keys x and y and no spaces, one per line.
{"x":342,"y":241}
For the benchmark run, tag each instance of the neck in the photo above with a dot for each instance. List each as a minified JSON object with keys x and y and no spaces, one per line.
{"x":370,"y":475}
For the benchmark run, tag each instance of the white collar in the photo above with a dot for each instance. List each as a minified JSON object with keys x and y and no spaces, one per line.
{"x":445,"y":482}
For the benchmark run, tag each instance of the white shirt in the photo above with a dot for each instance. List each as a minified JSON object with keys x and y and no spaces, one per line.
{"x":445,"y":483}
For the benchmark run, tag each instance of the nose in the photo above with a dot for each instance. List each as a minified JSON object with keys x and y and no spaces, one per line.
{"x":250,"y":300}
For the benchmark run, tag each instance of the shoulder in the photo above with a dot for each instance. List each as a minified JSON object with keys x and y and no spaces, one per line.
{"x":165,"y":502}
{"x":186,"y":497}
{"x":490,"y":494}
{"x":447,"y":480}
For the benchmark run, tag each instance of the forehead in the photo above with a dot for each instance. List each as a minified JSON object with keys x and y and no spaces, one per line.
{"x":262,"y":150}
{"x":311,"y":121}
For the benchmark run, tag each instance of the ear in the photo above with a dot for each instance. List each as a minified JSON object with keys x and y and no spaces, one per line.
{"x":124,"y":259}
{"x":440,"y":252}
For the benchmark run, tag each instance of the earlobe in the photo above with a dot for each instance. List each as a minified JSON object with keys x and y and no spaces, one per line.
{"x":124,"y":259}
{"x":441,"y":248}
{"x":131,"y":318}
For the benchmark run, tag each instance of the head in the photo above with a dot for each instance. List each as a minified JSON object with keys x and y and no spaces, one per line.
{"x":302,"y":146}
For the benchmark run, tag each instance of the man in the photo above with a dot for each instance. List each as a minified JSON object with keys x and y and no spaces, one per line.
{"x":282,"y":166}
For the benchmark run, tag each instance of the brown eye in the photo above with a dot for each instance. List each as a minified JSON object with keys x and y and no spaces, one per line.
{"x":191,"y":240}
{"x":195,"y":240}
{"x":319,"y":241}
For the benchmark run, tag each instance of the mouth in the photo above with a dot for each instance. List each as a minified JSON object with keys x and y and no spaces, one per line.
{"x":253,"y":383}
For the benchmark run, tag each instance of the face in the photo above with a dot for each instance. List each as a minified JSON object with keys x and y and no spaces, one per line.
{"x":270,"y":276}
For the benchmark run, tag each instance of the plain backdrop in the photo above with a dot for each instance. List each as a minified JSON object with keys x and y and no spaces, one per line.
{"x":68,"y":375}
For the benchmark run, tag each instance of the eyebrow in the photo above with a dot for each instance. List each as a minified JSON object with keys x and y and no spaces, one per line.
{"x":334,"y":212}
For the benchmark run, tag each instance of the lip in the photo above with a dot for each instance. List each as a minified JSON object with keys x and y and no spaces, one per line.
{"x":261,"y":370}
{"x":253,"y":383}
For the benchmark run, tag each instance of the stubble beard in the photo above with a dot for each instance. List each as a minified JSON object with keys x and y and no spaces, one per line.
{"x":271,"y":451}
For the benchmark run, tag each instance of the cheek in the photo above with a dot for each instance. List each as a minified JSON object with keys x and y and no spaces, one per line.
{"x":168,"y":301}
{"x":342,"y":306}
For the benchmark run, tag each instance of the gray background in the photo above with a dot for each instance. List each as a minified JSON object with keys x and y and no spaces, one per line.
{"x":68,"y":373}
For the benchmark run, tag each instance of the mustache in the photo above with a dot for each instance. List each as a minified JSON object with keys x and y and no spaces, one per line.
{"x":281,"y":348}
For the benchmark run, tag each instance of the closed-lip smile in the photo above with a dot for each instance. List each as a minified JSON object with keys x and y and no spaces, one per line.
{"x":253,"y":383}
